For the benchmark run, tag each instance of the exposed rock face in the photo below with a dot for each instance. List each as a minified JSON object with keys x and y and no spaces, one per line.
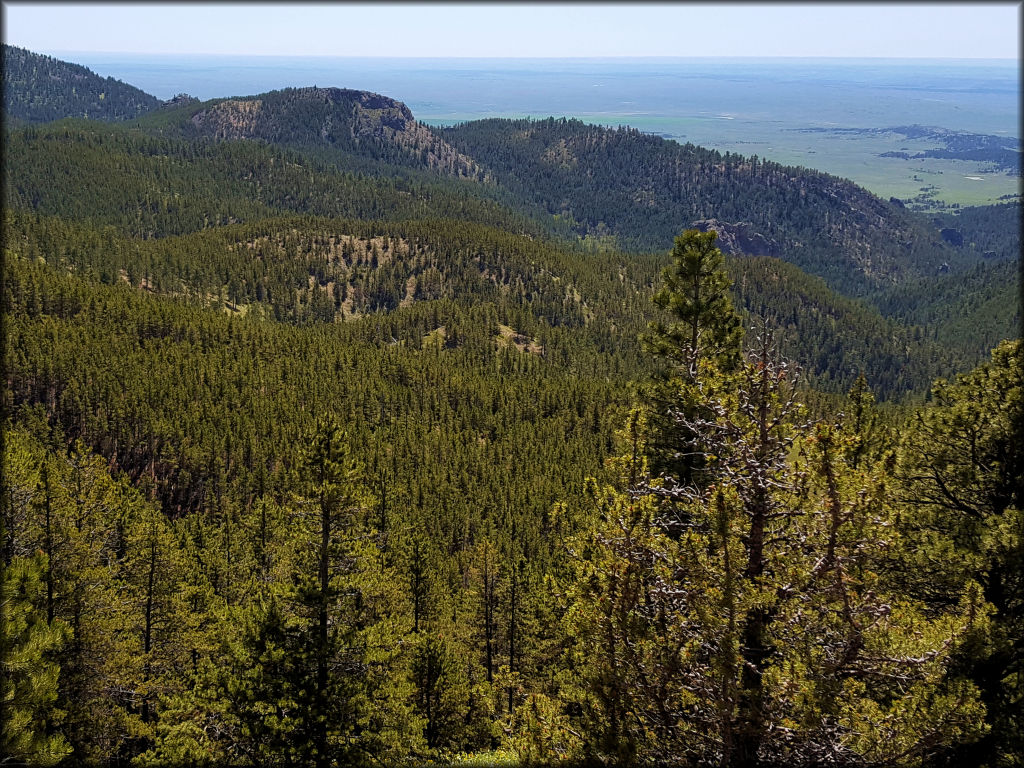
{"x":358,"y":121}
{"x":233,"y":119}
{"x":740,"y":239}
{"x":180,"y":99}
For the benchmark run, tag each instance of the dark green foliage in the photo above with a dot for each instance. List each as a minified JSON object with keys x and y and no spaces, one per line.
{"x":703,"y":328}
{"x":329,"y":121}
{"x":973,"y":310}
{"x":968,"y":313}
{"x":123,"y":363}
{"x":301,"y":401}
{"x":152,"y":187}
{"x":148,"y":186}
{"x":38,"y":89}
{"x":28,"y":643}
{"x":962,"y":477}
{"x":242,"y":181}
{"x":642,"y":189}
{"x":739,"y":619}
{"x":991,"y":230}
{"x":1003,"y":152}
{"x":729,"y":609}
{"x":695,"y":293}
{"x":835,"y":338}
{"x":442,"y":696}
{"x":456,"y":435}
{"x":261,"y":687}
{"x":113,"y":583}
{"x":306,"y":270}
{"x":303,"y":270}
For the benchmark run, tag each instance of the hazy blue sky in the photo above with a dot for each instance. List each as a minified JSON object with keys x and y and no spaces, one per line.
{"x":945,"y":30}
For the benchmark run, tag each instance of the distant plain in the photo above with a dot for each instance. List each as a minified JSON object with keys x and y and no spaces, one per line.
{"x":793,"y":111}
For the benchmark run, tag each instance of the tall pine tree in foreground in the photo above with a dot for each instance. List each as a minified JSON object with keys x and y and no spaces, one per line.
{"x":109,"y":584}
{"x":962,"y":480}
{"x":317,"y":673}
{"x":742,"y":613}
{"x":28,"y":684}
{"x":355,"y":699}
{"x":699,"y":325}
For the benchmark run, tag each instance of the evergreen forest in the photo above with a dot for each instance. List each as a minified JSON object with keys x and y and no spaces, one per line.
{"x":333,"y":439}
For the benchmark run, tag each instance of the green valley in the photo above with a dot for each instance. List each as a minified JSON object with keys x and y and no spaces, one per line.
{"x":331,"y":438}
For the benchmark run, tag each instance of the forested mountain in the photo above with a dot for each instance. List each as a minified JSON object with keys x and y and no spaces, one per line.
{"x":333,"y":440}
{"x":471,"y":427}
{"x":642,"y":189}
{"x":973,"y":309}
{"x":356,"y":122}
{"x":306,"y":270}
{"x":969,"y":311}
{"x":637,"y":188}
{"x":992,"y":230}
{"x":163,"y":186}
{"x":151,"y":186}
{"x":39,"y":88}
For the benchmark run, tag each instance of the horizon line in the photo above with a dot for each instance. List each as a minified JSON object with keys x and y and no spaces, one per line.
{"x":531,"y":58}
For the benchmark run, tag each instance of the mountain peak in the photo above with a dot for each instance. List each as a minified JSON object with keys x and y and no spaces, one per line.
{"x":350,"y":120}
{"x":38,"y":89}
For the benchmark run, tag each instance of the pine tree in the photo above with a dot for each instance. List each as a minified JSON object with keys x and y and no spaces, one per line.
{"x":962,"y":478}
{"x":863,"y":421}
{"x":442,"y":690}
{"x":113,"y":578}
{"x":695,"y":293}
{"x":696,"y":597}
{"x":703,"y":326}
{"x":347,"y":603}
{"x":29,"y":714}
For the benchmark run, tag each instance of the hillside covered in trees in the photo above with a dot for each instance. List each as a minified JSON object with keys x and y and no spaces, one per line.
{"x":333,"y":439}
{"x":38,"y":89}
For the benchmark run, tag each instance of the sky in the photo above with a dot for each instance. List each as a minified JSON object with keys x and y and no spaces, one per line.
{"x":581,"y":29}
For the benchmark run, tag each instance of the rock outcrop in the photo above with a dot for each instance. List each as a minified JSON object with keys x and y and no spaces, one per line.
{"x":740,"y":239}
{"x":356,"y":121}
